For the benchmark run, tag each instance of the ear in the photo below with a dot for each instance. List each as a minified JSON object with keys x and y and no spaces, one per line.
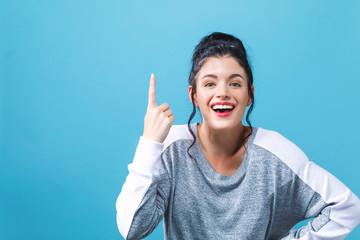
{"x":190,"y":92}
{"x":250,"y":100}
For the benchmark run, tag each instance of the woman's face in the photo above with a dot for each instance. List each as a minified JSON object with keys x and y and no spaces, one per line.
{"x":221,"y":93}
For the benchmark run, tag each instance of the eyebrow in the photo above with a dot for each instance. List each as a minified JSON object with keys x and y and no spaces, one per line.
{"x":232,"y":76}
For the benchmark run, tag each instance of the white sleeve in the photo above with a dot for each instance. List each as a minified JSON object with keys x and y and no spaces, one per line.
{"x":145,"y":166}
{"x":339,"y":217}
{"x":342,"y":211}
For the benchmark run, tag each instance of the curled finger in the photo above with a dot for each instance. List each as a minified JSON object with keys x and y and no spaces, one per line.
{"x":168,"y":113}
{"x":163,"y":107}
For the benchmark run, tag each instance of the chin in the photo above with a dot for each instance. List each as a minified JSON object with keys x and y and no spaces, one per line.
{"x":224,"y":125}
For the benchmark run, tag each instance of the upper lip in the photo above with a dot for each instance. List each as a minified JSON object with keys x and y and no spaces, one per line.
{"x":222,"y":103}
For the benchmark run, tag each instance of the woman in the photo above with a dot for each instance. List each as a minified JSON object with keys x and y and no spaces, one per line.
{"x":221,"y":179}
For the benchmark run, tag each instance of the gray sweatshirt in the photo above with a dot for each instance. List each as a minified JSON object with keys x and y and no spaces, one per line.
{"x":275,"y":187}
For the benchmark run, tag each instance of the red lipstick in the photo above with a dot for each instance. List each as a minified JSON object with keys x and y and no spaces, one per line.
{"x":220,"y":113}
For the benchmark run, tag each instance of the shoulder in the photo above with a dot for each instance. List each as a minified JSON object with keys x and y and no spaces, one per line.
{"x":281,"y":147}
{"x":177,"y":132}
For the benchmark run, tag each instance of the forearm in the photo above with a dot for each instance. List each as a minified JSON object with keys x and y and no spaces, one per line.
{"x":142,"y":171}
{"x":339,"y":217}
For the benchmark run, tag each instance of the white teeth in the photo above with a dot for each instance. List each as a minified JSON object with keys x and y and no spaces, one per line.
{"x":223,"y":107}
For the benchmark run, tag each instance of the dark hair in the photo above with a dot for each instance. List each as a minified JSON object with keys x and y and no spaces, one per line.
{"x":219,"y":44}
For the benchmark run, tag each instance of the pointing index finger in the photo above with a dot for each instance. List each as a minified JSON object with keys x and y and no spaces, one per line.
{"x":152,"y":94}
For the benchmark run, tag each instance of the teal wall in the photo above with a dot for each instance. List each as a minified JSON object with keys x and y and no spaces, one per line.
{"x":74,"y":81}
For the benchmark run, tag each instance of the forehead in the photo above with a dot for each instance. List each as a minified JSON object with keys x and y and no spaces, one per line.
{"x":221,"y":67}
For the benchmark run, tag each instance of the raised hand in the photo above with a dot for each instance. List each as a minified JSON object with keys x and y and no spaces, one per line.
{"x":158,"y":119}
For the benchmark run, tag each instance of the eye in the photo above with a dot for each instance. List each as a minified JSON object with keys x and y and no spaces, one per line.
{"x":235,"y":84}
{"x":209,"y":84}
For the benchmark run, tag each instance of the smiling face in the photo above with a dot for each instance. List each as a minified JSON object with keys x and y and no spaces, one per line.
{"x":221,"y":93}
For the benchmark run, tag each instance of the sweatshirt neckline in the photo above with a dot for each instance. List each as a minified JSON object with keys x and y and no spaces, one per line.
{"x":208,"y":169}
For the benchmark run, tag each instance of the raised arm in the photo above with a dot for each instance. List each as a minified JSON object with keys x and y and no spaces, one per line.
{"x":143,"y":198}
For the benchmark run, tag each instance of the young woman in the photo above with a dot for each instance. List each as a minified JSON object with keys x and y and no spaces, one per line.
{"x":220,"y":179}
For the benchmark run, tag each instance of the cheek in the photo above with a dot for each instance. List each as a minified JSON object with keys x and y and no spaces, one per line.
{"x":241,"y":95}
{"x":202,"y":98}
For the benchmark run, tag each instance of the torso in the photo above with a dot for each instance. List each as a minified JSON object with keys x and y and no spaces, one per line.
{"x":252,"y":203}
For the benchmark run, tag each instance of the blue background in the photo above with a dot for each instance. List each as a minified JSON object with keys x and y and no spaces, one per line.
{"x":74,"y":82}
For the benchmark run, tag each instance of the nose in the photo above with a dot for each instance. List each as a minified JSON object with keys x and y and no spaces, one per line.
{"x":222,"y":92}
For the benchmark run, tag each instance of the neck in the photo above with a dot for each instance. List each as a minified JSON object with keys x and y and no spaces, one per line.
{"x":224,"y":142}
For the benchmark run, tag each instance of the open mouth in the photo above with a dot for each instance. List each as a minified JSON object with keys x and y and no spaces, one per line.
{"x":222,"y":108}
